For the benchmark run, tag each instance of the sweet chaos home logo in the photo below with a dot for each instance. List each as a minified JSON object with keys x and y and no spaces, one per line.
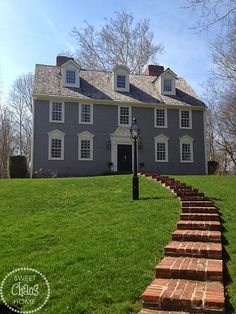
{"x":25,"y":290}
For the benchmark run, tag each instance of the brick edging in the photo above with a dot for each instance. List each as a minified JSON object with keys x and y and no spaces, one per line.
{"x":190,"y":276}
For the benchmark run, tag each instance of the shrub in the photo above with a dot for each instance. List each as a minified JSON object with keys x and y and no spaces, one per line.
{"x":18,"y":167}
{"x":212,"y":166}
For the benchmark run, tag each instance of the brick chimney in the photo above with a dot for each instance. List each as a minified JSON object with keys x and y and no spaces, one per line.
{"x":62,"y":59}
{"x":154,"y":70}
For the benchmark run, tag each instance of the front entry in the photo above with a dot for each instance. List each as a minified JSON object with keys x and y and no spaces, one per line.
{"x":124,"y":157}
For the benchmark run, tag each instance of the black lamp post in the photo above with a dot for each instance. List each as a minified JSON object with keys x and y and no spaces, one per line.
{"x":134,"y":131}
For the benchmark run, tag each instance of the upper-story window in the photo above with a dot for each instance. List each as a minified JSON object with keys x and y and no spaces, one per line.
{"x":70,"y":77}
{"x":185,"y":119}
{"x":86,"y":113}
{"x":167,"y":85}
{"x":56,"y":112}
{"x":120,"y":77}
{"x":160,"y":118}
{"x":124,"y":116}
{"x":121,"y":81}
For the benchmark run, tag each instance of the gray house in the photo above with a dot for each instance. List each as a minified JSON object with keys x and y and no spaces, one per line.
{"x":82,"y":118}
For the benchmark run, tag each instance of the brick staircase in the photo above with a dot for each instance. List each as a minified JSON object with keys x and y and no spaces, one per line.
{"x":189,"y":279}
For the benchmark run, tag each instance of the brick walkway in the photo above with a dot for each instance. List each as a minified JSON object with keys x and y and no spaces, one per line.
{"x":189,"y":279}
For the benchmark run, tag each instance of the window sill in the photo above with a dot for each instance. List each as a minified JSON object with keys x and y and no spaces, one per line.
{"x":87,"y":123}
{"x":160,"y":127}
{"x":56,"y":121}
{"x":84,"y":159}
{"x":53,"y":159}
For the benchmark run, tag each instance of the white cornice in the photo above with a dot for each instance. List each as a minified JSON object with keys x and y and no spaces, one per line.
{"x":117,"y":102}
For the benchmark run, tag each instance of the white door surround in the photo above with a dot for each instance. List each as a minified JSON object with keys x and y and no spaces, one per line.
{"x":120,"y":136}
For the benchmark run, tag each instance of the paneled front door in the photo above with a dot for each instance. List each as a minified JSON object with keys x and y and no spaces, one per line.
{"x":124,"y":157}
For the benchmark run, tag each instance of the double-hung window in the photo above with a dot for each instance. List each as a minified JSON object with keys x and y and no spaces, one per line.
{"x":167,"y":85}
{"x":56,"y":112}
{"x":56,"y":145}
{"x":186,"y":149}
{"x":121,"y":81}
{"x":160,"y":118}
{"x":161,"y":148}
{"x":124,"y":116}
{"x":70,"y":77}
{"x":85,"y":146}
{"x":185,"y":119}
{"x":85,"y":113}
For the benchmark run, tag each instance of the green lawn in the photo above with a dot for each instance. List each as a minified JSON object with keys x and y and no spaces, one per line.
{"x":222,"y":190}
{"x":96,"y":246}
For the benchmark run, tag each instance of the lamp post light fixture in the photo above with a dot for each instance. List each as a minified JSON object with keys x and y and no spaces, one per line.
{"x":134,"y":132}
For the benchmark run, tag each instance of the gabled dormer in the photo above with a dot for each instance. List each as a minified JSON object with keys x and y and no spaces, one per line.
{"x":70,"y":71}
{"x":120,"y":78}
{"x":166,"y":82}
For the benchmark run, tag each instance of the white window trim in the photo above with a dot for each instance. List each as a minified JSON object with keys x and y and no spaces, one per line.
{"x":63,"y":111}
{"x":155,"y":119}
{"x":190,"y":119}
{"x":161,"y":139}
{"x":130,"y":116}
{"x":91,"y":120}
{"x":56,"y":134}
{"x":87,"y":136}
{"x":186,"y":140}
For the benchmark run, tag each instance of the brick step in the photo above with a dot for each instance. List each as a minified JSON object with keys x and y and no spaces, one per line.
{"x":189,"y":193}
{"x":194,"y":198}
{"x":194,"y":249}
{"x":196,"y":235}
{"x":199,"y":225}
{"x":178,"y":189}
{"x":197,"y":204}
{"x":184,"y":295}
{"x":190,"y":268}
{"x":199,"y":216}
{"x":197,"y":209}
{"x":147,"y":311}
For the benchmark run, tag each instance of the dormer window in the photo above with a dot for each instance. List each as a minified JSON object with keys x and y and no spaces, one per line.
{"x":167,"y":85}
{"x":70,"y":72}
{"x":120,"y":78}
{"x":166,"y":82}
{"x":70,"y":77}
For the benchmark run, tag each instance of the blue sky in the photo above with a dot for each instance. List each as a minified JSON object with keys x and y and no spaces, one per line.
{"x":35,"y":31}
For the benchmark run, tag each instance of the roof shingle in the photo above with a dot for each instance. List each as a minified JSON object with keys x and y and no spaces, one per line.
{"x":98,"y":85}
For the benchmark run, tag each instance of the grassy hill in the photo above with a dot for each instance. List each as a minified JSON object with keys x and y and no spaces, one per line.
{"x":97,"y":247}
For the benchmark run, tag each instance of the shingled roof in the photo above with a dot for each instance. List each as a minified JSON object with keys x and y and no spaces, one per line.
{"x":96,"y":85}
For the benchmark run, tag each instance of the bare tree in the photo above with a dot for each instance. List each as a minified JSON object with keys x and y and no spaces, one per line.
{"x":119,"y":41}
{"x":213,"y":12}
{"x":6,"y":140}
{"x":20,"y":101}
{"x":224,"y":56}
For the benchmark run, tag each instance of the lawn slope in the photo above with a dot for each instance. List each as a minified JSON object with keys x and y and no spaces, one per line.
{"x":97,"y":247}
